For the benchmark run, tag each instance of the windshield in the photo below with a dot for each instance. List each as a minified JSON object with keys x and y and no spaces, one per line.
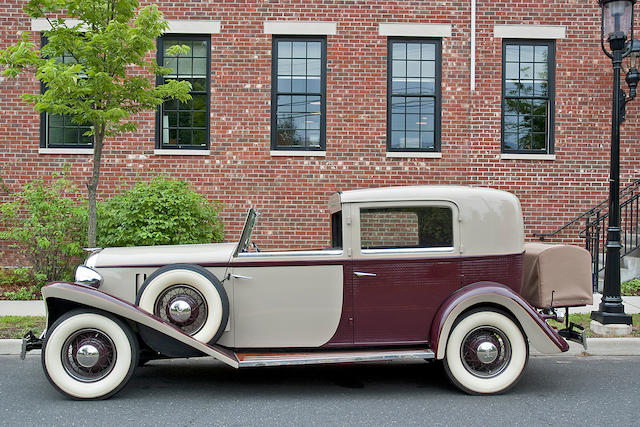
{"x":245,"y":237}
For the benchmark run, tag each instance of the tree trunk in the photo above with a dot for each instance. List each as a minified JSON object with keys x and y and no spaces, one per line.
{"x":92,"y":185}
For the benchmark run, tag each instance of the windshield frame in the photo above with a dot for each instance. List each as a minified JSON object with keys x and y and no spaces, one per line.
{"x":247,"y":230}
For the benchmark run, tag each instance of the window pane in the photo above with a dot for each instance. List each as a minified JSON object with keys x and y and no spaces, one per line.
{"x":542,"y":53}
{"x":413,"y":51}
{"x":399,"y":68}
{"x":428,"y":51}
{"x":412,"y":227}
{"x":185,"y":123}
{"x":314,"y":50}
{"x":397,"y":121}
{"x":399,"y":51}
{"x":526,"y":53}
{"x":427,"y":140}
{"x":428,"y":69}
{"x":300,"y":75}
{"x":512,"y":54}
{"x":200,"y":48}
{"x":299,"y":49}
{"x":284,"y":49}
{"x":413,"y":68}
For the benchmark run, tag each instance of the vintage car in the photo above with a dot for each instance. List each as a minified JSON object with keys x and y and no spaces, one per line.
{"x":424,"y":272}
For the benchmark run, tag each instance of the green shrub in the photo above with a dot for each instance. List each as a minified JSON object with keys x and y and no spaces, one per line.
{"x":47,"y":226}
{"x":23,"y":294}
{"x":159,"y":212}
{"x":23,"y":276}
{"x":631,"y":287}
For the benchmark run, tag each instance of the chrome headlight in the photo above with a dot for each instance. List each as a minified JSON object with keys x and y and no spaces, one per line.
{"x":88,"y":276}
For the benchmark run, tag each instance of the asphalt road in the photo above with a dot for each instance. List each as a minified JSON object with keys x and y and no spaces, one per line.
{"x":553,"y":390}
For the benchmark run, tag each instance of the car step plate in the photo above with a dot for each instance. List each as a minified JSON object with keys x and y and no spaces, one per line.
{"x":311,"y":358}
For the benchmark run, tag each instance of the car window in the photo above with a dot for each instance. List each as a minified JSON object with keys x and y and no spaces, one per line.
{"x":406,"y":227}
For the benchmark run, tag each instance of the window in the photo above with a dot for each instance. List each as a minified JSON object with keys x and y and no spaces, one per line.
{"x":402,"y":228}
{"x":413,"y":95}
{"x":298,"y":94}
{"x":528,"y":80}
{"x":185,"y":125}
{"x":59,"y":131}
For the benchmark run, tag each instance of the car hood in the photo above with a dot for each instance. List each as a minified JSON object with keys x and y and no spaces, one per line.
{"x":139,"y":256}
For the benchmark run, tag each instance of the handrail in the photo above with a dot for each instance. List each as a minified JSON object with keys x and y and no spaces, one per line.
{"x":594,"y":210}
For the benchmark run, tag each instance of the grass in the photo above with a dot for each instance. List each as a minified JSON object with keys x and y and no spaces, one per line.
{"x":16,"y":326}
{"x":584,"y":319}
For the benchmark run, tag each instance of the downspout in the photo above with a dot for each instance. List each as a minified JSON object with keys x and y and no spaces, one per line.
{"x":473,"y":45}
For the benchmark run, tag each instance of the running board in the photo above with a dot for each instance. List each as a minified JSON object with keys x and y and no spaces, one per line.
{"x":247,"y":360}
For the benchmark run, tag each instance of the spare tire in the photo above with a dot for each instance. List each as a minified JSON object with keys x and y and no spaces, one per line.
{"x":189,"y":297}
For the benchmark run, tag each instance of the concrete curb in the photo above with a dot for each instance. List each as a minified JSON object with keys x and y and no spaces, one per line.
{"x":595,"y":347}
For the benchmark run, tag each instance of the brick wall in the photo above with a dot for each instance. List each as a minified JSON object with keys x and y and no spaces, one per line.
{"x":292,"y":191}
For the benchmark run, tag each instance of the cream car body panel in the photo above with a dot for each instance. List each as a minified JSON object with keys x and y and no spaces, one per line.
{"x":285,"y":305}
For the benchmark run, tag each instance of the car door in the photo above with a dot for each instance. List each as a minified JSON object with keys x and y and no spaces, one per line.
{"x":405,"y":263}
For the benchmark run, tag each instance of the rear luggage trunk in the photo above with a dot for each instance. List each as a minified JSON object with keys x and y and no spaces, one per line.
{"x":557,"y":275}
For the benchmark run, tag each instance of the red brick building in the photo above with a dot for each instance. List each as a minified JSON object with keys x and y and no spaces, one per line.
{"x":294,"y":100}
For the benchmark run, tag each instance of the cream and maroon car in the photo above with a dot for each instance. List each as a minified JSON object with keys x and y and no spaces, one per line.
{"x":425,"y":272}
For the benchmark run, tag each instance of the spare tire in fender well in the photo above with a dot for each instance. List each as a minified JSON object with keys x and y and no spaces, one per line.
{"x":185,"y":290}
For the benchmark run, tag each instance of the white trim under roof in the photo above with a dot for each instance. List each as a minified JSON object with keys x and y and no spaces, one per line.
{"x":305,"y":28}
{"x":414,"y":30}
{"x":41,"y":24}
{"x":193,"y":26}
{"x":65,"y":150}
{"x":177,"y":26}
{"x":178,"y":152}
{"x":415,"y":154}
{"x":526,"y":156}
{"x":297,"y":153}
{"x":530,"y":31}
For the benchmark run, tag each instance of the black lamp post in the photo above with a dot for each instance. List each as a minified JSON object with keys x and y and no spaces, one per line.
{"x":617,"y":27}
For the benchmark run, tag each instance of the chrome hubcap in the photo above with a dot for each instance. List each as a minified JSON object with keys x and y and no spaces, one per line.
{"x":180,"y":311}
{"x":487,"y":352}
{"x":183,"y":306}
{"x":87,"y":356}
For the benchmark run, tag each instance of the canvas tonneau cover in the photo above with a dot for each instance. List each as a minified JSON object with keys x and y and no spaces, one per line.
{"x":561,"y":272}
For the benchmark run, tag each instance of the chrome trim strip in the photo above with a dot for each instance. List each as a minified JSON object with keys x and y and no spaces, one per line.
{"x":290,"y":254}
{"x":335,"y":357}
{"x":361,"y":273}
{"x":407,"y":250}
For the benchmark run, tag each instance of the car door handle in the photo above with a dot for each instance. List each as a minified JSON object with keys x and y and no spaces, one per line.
{"x":238,"y":276}
{"x":360,"y":274}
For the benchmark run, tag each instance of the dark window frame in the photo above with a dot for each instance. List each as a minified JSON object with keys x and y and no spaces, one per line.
{"x":275,"y":93}
{"x":160,"y":79}
{"x":437,"y":137}
{"x":44,"y":122}
{"x":551,"y":92}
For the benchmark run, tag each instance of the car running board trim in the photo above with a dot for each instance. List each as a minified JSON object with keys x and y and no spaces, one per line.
{"x":247,"y":360}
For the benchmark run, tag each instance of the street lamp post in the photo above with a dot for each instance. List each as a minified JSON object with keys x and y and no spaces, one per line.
{"x":617,"y":27}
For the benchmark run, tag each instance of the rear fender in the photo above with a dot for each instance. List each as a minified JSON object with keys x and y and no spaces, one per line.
{"x":541,"y":335}
{"x":59,"y":297}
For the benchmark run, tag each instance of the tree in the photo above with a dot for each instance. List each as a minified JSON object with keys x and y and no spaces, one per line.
{"x":110,"y":77}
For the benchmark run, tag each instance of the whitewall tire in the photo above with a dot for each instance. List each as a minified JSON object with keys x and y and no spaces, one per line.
{"x":89,"y":355}
{"x":486,"y":353}
{"x":189,"y":297}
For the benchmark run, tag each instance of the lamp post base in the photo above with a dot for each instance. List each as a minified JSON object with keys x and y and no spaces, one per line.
{"x":611,"y":312}
{"x":611,"y":330}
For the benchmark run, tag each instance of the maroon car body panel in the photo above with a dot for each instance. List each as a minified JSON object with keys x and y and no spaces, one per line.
{"x":398,"y":305}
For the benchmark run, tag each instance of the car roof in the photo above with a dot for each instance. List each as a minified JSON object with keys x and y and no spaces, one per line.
{"x":421,"y":192}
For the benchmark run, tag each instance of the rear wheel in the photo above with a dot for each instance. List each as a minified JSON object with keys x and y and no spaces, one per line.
{"x":486,"y":353}
{"x":89,"y":355}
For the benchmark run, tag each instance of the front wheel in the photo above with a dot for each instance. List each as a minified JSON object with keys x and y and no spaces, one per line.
{"x":89,"y":355}
{"x":486,"y":353}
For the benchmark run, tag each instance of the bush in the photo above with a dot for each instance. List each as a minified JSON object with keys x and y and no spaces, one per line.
{"x":47,"y":226}
{"x":631,"y":287}
{"x":159,"y":212}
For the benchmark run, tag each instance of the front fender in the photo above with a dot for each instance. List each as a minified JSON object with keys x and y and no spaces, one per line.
{"x":540,"y":334}
{"x":59,"y":295}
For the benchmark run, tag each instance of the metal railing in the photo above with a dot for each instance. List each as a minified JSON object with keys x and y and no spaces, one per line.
{"x":595,"y":228}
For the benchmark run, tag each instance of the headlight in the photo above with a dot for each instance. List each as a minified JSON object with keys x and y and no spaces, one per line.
{"x":88,"y":276}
